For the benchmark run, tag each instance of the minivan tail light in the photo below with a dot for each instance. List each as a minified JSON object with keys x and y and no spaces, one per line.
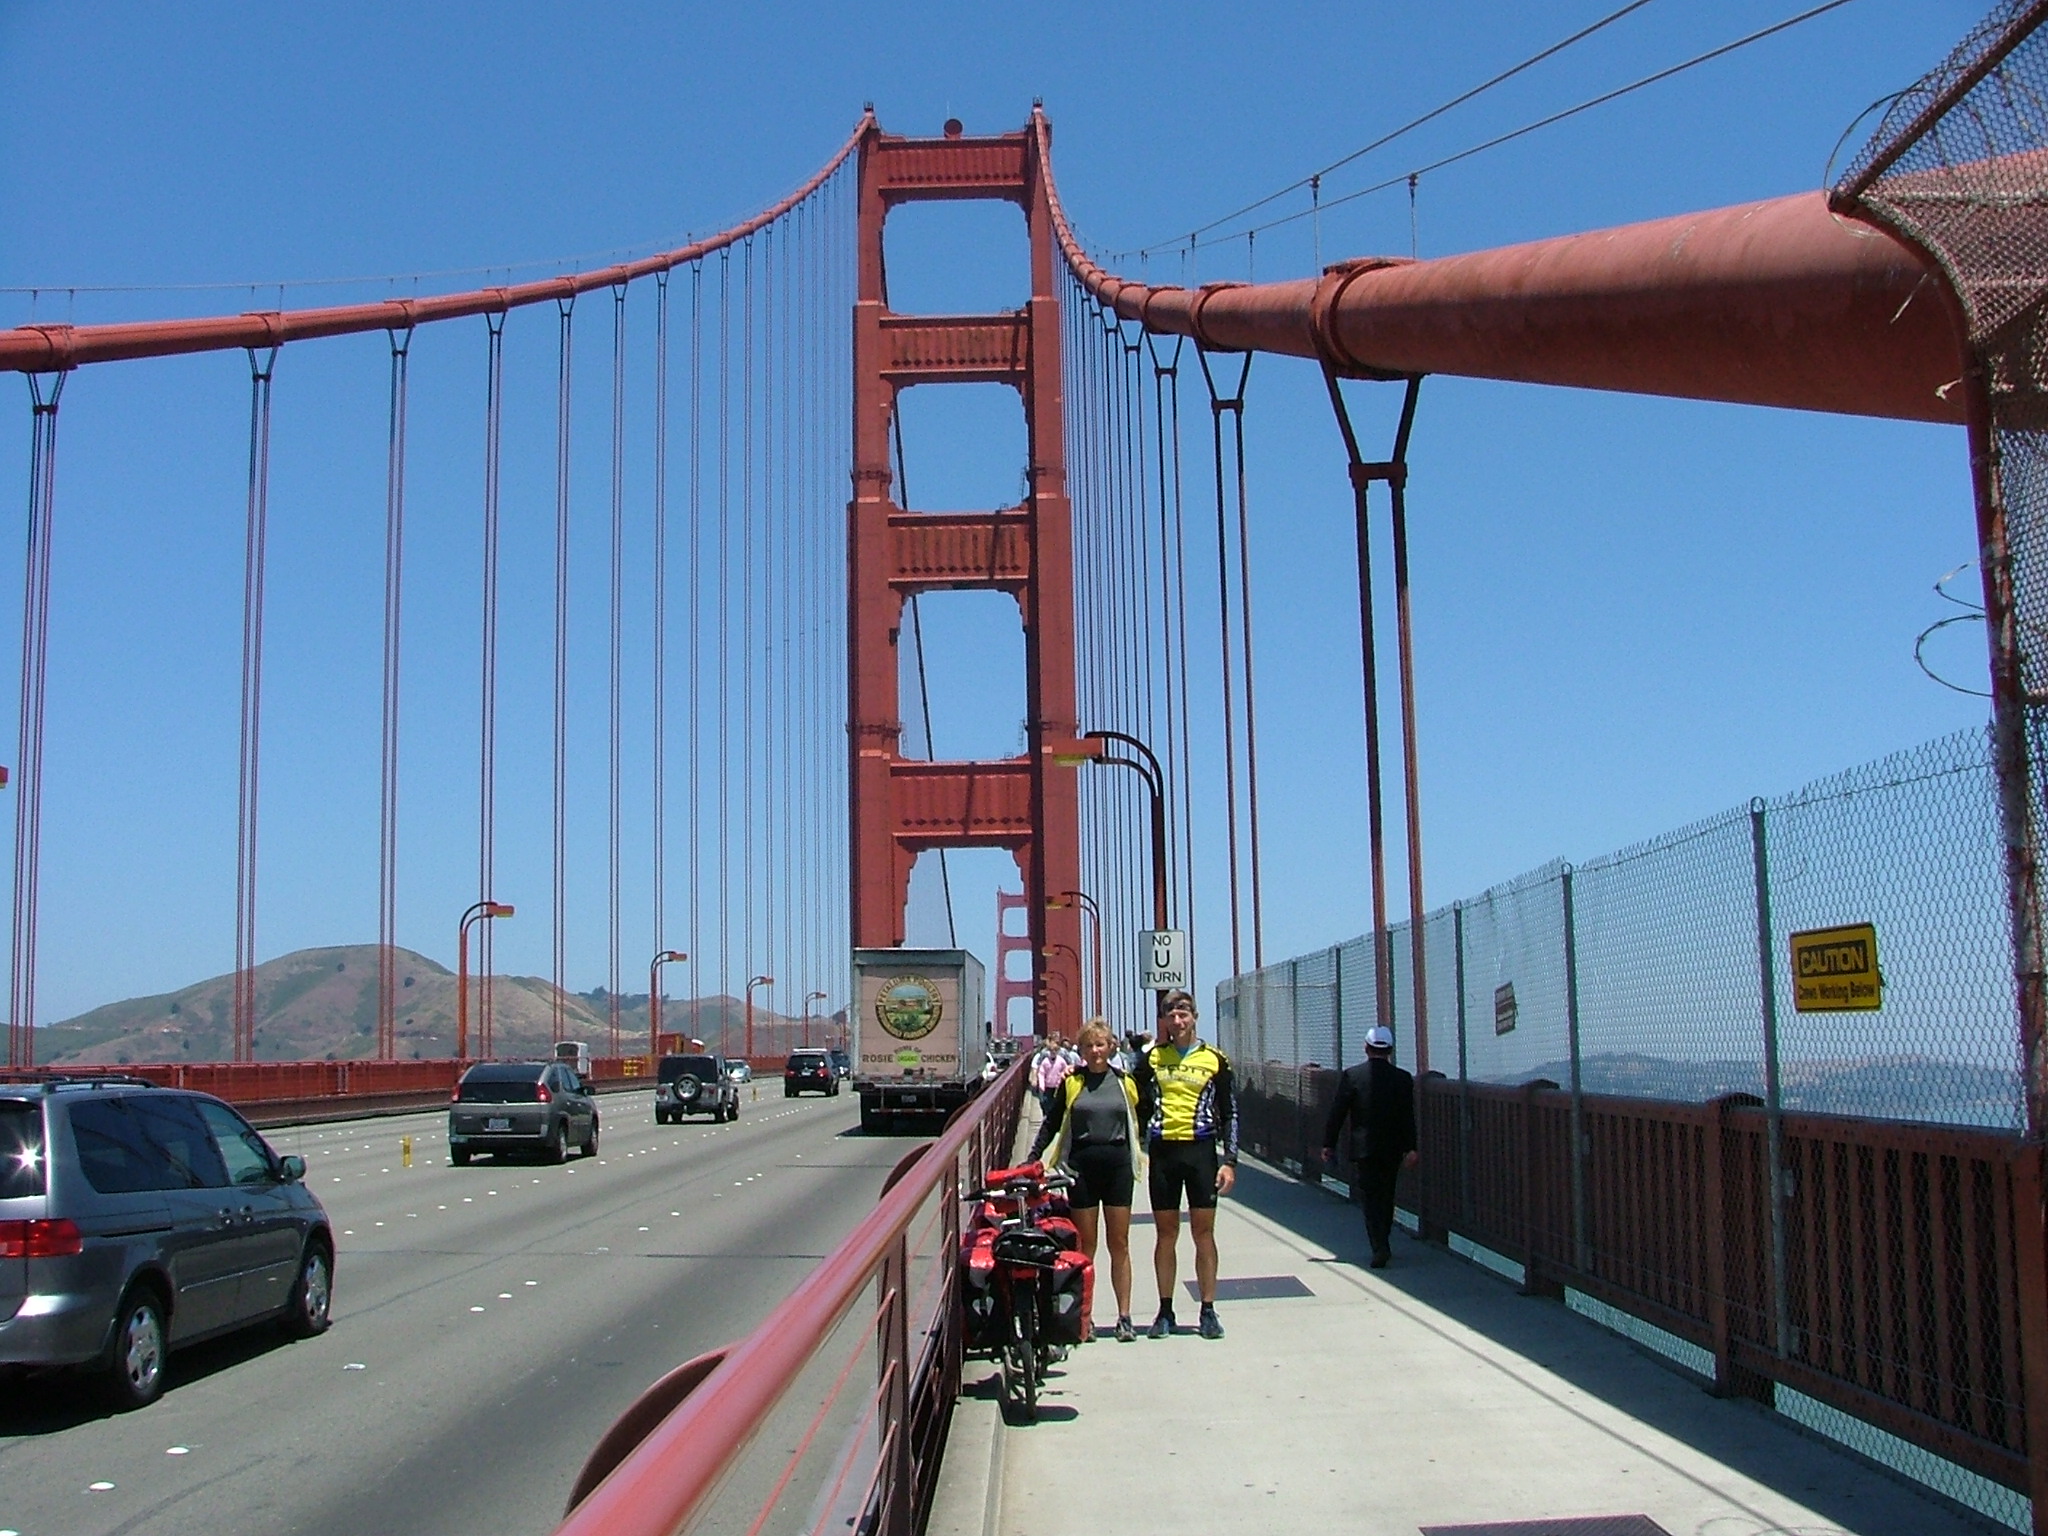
{"x":40,"y":1239}
{"x":541,"y":1094}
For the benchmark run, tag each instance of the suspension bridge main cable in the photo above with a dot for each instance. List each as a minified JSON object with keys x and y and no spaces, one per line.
{"x":1414,"y":174}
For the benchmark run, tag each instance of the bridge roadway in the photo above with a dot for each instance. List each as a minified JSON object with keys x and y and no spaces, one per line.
{"x":1429,"y":1396}
{"x":489,"y":1323}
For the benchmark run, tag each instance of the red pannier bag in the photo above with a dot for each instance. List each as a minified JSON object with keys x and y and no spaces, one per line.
{"x":1071,"y":1298}
{"x":1062,"y":1231}
{"x":977,"y":1299}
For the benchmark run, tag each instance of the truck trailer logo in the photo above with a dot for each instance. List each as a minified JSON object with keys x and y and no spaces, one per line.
{"x":909,"y":1007}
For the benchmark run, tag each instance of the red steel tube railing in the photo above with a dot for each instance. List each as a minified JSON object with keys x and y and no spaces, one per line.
{"x":51,"y":348}
{"x":1775,"y":303}
{"x":659,"y":1487}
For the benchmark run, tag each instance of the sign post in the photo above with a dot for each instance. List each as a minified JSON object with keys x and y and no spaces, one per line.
{"x":1163,"y":959}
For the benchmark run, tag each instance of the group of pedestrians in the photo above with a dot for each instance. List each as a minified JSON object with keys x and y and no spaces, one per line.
{"x":1170,"y":1118}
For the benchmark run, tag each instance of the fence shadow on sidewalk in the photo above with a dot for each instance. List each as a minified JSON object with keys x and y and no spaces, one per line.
{"x":1744,"y":1436}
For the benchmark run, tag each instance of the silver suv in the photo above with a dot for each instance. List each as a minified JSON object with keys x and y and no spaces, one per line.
{"x":694,"y":1085}
{"x":135,"y":1220}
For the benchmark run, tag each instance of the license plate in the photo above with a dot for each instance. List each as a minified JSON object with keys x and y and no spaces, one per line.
{"x":498,"y":1123}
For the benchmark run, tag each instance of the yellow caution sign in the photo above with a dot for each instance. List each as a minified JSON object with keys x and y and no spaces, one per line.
{"x":1834,"y":970}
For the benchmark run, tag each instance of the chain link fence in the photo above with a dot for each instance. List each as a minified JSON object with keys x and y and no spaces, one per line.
{"x":1621,"y":1050}
{"x":1666,"y":970}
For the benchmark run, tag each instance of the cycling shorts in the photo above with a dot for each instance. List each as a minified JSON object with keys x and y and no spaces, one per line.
{"x":1184,"y":1167}
{"x":1102,"y":1176}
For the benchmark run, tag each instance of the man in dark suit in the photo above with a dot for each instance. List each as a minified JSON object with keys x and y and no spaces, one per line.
{"x":1378,"y":1098}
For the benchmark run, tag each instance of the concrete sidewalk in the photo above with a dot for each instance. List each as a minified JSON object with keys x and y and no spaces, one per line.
{"x":1426,"y":1397}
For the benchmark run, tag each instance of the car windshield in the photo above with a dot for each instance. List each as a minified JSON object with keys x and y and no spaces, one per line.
{"x":703,"y":1068}
{"x":21,"y":1149}
{"x":512,"y":1084}
{"x":806,"y":1061}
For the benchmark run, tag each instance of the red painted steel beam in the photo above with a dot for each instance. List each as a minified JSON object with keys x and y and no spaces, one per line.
{"x":1775,"y":303}
{"x":960,"y":551}
{"x":48,"y":348}
{"x":962,"y":805}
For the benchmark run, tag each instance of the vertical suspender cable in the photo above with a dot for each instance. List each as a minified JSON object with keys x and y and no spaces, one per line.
{"x":724,"y":630}
{"x":1218,"y":404}
{"x":695,"y":543}
{"x":746,"y":625}
{"x":1180,"y":603}
{"x":1251,"y":710}
{"x":1173,"y":659}
{"x":45,"y":390}
{"x":487,"y":748}
{"x":1363,"y":474}
{"x":792,"y":951}
{"x":659,"y":701}
{"x":614,"y":696}
{"x":256,"y":537}
{"x":566,"y":309}
{"x":387,"y":807}
{"x":769,"y":340}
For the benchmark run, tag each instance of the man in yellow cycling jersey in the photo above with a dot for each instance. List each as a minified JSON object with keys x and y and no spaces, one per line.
{"x":1189,"y":1110}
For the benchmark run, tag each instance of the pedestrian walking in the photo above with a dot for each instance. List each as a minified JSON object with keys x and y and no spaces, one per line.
{"x":1189,"y":1109}
{"x":1092,"y":1132}
{"x":1378,"y":1099}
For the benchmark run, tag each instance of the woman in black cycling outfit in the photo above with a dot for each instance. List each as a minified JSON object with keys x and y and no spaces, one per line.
{"x":1092,"y":1129}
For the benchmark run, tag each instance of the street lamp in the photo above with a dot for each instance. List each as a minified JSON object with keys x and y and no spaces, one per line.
{"x":1091,"y":747}
{"x":810,"y":998}
{"x":661,"y":958}
{"x":753,"y":982}
{"x":477,"y":913}
{"x":1069,"y":899}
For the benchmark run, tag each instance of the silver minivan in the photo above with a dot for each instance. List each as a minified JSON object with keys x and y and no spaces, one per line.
{"x":135,"y":1220}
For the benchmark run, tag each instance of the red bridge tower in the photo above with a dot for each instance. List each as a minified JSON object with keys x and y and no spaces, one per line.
{"x":904,"y":806}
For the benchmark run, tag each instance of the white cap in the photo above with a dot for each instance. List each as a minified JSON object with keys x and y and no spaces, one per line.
{"x":1379,"y":1038}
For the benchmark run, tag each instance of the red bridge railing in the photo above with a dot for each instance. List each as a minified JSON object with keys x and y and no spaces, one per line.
{"x":831,"y":1402}
{"x":1907,"y":1249}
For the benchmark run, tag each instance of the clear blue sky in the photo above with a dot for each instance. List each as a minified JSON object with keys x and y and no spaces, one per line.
{"x":1629,"y":612}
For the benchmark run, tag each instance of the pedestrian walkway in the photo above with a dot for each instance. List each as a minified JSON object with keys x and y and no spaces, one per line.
{"x":1428,"y":1397}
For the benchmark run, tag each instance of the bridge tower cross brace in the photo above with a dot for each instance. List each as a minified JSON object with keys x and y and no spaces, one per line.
{"x":901,"y":807}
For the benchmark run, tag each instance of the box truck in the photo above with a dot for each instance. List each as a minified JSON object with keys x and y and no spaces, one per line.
{"x":920,"y":1034}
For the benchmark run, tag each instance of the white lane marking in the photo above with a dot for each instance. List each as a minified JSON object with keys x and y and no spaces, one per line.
{"x":476,"y":1309}
{"x":98,"y":1487}
{"x":355,"y":1365}
{"x":177,"y":1450}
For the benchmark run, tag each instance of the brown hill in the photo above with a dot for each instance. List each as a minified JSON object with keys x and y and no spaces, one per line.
{"x":321,"y":1004}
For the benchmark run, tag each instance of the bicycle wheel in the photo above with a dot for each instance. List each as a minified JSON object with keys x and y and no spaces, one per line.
{"x":1027,"y":1348}
{"x":1011,"y":1358}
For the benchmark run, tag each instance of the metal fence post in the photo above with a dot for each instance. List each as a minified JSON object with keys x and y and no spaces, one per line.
{"x":898,"y":1503}
{"x":1581,"y":1249}
{"x":1294,"y":1057}
{"x":1774,"y":1110}
{"x":1464,"y":1074}
{"x":1338,"y":1047}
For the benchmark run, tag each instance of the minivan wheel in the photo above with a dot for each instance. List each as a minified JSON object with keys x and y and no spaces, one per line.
{"x":135,"y":1375}
{"x":459,"y":1156}
{"x":555,"y":1148}
{"x":590,"y":1141}
{"x":311,"y":1307}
